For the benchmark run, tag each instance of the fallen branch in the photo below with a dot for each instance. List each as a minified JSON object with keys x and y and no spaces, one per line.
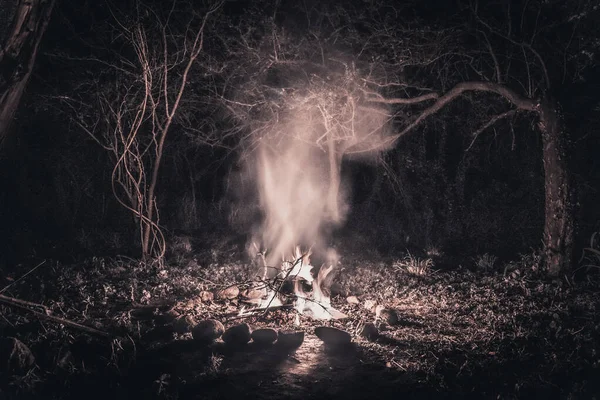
{"x":22,"y":277}
{"x":25,"y":305}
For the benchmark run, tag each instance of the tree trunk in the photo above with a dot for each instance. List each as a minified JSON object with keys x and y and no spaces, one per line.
{"x":559,"y":217}
{"x":17,"y":56}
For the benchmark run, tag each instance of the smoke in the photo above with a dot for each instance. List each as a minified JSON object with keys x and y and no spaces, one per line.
{"x":297,"y":140}
{"x":292,"y":179}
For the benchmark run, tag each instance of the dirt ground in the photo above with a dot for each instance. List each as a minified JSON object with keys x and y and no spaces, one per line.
{"x":469,"y":329}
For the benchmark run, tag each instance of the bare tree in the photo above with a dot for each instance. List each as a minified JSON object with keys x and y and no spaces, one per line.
{"x":352,"y":72}
{"x":132,"y":116}
{"x":18,"y":51}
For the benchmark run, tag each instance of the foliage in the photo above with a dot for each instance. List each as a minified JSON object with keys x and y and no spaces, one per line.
{"x":415,"y":265}
{"x":591,"y":255}
{"x":486,"y":262}
{"x":471,"y":329}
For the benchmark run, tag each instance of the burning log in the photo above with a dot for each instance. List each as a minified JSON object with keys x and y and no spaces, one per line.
{"x":315,"y":303}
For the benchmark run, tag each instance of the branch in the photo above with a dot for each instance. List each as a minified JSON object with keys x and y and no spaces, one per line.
{"x":491,"y":122}
{"x":24,"y":305}
{"x":520,"y":102}
{"x":522,"y":44}
{"x":411,"y":100}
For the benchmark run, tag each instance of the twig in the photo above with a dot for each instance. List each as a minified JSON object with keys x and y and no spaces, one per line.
{"x":21,"y":303}
{"x":278,"y":290}
{"x":22,"y":277}
{"x":24,"y":305}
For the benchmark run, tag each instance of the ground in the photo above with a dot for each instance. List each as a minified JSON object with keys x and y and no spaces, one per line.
{"x":476,"y":328}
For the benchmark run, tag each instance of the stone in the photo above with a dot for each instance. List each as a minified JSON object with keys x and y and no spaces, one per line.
{"x":370,"y":305}
{"x":206,"y":296}
{"x":352,"y":300}
{"x":228,"y":293}
{"x":237,"y":335}
{"x":333,"y":336}
{"x":208,"y":331}
{"x":15,"y":357}
{"x":266,"y":336}
{"x":388,"y":315}
{"x":183,"y":324}
{"x":369,"y":331}
{"x":290,"y":341}
{"x":255,"y":293}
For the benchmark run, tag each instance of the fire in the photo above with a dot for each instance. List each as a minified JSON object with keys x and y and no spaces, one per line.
{"x":315,"y":303}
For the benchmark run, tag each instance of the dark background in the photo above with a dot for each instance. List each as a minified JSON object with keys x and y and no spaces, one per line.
{"x":56,"y":199}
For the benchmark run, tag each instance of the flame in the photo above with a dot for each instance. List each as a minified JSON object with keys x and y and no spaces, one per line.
{"x":316,"y":303}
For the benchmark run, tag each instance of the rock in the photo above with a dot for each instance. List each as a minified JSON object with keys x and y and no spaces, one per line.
{"x":208,"y":331}
{"x":370,"y":305}
{"x":333,"y":336}
{"x":229,"y":293}
{"x":266,"y":336}
{"x":167,"y":317}
{"x":206,"y":296}
{"x":15,"y":357}
{"x":255,"y":293}
{"x":336,"y":289}
{"x":352,"y":300}
{"x":290,"y":341}
{"x":237,"y":335}
{"x":369,"y":331}
{"x":65,"y":359}
{"x":388,"y":315}
{"x":183,"y":324}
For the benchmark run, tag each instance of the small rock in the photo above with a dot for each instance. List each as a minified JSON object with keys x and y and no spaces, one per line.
{"x":290,"y":341}
{"x":370,"y":305}
{"x":333,"y":336}
{"x":388,"y":315}
{"x":383,"y":327}
{"x":228,"y":293}
{"x":208,"y":330}
{"x":336,"y":289}
{"x":237,"y":335}
{"x":15,"y":356}
{"x":183,"y":324}
{"x":65,"y":358}
{"x":206,"y":296}
{"x":255,"y":293}
{"x":369,"y":331}
{"x":266,"y":336}
{"x":352,"y":300}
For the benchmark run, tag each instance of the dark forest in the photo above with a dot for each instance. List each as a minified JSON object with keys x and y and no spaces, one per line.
{"x":299,"y":199}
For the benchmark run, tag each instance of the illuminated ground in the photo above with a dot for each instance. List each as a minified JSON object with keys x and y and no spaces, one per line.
{"x":461,"y":333}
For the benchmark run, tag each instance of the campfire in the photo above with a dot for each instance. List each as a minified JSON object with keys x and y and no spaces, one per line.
{"x":298,"y":272}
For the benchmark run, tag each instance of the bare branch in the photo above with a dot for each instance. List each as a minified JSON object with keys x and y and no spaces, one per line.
{"x":412,"y":100}
{"x":491,"y":122}
{"x":518,"y":101}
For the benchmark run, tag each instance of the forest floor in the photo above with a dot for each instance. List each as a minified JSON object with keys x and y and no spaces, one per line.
{"x":476,"y":330}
